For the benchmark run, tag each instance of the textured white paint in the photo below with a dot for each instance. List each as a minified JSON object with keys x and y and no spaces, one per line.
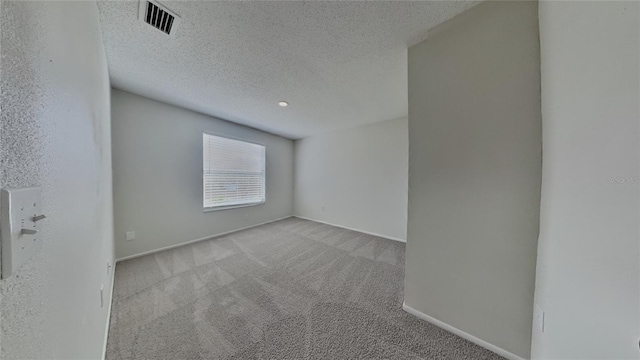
{"x":356,"y":178}
{"x":157,"y":175}
{"x":55,"y":133}
{"x":338,"y":64}
{"x":474,"y":173}
{"x":588,"y":278}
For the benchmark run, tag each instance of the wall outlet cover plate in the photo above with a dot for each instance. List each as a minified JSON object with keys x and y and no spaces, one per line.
{"x":538,"y":318}
{"x":18,"y":207}
{"x":130,"y":235}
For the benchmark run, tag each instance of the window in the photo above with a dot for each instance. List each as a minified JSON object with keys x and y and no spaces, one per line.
{"x":233,"y":172}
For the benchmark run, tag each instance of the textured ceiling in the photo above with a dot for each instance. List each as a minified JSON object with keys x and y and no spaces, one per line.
{"x":338,"y":64}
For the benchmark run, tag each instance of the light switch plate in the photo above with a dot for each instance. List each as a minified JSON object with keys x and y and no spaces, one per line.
{"x":18,"y":207}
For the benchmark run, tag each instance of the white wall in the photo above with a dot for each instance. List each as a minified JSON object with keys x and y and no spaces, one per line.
{"x":588,"y":280}
{"x":356,"y":178}
{"x":56,"y":134}
{"x":157,"y":170}
{"x":474,"y":173}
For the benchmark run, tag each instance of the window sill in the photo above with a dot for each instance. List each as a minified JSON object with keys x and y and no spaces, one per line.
{"x":220,"y":208}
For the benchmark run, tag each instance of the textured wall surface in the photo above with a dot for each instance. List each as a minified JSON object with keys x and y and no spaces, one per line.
{"x":356,"y":178}
{"x":474,"y":173}
{"x":55,"y":133}
{"x":587,"y":278}
{"x":157,"y":175}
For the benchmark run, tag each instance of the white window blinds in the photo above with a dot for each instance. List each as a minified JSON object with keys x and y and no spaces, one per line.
{"x":233,"y":172}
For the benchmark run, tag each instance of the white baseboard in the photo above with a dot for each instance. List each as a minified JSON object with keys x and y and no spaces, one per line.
{"x":349,"y":228}
{"x":500,"y":351}
{"x":197,"y":240}
{"x":106,"y":331}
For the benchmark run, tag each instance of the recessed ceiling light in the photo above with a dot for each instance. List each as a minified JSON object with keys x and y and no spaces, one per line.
{"x":283,"y":103}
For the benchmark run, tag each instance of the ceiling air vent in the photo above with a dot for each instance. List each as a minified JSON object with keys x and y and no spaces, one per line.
{"x":158,"y":16}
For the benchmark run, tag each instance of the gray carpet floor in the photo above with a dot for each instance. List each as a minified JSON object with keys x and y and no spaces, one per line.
{"x":291,"y":289}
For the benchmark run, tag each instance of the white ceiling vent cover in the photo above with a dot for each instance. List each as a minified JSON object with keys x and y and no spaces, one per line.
{"x":158,"y":16}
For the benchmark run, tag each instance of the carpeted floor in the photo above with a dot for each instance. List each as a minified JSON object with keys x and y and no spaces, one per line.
{"x":292,"y":289}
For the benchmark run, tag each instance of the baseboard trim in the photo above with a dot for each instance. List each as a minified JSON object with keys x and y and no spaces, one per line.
{"x":352,"y":229}
{"x":500,"y":351}
{"x":106,"y":331}
{"x":197,"y":240}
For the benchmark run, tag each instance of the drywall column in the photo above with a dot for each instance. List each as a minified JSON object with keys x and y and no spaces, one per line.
{"x":588,"y":280}
{"x":474,"y":175}
{"x":56,"y":134}
{"x":356,"y":178}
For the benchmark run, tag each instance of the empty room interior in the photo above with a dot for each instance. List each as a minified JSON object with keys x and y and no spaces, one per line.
{"x":450,"y":180}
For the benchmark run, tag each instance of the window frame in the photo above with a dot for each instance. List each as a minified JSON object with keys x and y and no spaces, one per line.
{"x":228,"y":207}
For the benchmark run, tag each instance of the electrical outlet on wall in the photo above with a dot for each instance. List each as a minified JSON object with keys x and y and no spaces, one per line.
{"x":130,"y":235}
{"x":20,"y":226}
{"x":538,"y":318}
